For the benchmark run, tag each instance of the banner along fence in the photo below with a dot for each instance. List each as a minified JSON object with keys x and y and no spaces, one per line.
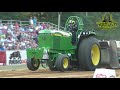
{"x":2,"y":57}
{"x":13,"y":57}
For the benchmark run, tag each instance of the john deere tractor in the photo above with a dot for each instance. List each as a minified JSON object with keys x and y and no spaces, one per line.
{"x":68,"y":49}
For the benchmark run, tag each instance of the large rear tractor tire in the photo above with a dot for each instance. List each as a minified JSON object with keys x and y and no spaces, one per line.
{"x":114,"y":62}
{"x":89,"y":54}
{"x":33,"y":64}
{"x":62,"y":63}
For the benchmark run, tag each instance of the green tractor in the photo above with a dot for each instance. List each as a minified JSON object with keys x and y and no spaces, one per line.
{"x":68,"y":49}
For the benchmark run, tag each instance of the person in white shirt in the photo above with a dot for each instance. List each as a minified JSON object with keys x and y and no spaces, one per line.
{"x":1,"y":26}
{"x":5,"y":27}
{"x":31,"y":21}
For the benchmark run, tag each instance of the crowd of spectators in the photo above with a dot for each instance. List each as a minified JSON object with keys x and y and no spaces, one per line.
{"x":16,"y":37}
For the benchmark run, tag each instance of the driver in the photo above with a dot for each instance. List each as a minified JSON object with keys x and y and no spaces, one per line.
{"x":73,"y":28}
{"x":70,"y":25}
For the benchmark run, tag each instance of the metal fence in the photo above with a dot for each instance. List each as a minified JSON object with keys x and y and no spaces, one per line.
{"x":22,"y":23}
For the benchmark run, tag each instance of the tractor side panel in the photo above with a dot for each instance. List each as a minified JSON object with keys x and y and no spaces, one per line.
{"x":45,"y":40}
{"x":65,"y":43}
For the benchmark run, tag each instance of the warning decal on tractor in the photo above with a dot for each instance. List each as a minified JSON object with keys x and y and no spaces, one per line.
{"x":107,"y":22}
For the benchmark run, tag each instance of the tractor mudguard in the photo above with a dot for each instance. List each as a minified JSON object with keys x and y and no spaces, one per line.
{"x":87,"y":33}
{"x":37,"y":53}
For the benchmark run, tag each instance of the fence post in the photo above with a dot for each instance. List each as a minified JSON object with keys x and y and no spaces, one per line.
{"x":20,"y":23}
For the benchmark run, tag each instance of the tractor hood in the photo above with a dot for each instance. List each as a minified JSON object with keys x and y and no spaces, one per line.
{"x":55,"y":32}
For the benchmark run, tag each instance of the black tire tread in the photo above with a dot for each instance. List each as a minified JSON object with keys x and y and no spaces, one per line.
{"x":31,"y":66}
{"x":58,"y":63}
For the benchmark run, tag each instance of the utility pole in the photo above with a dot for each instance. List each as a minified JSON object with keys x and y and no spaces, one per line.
{"x":59,"y":18}
{"x":86,"y":14}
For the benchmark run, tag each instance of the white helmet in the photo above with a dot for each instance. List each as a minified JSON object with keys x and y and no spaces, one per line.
{"x":70,"y":21}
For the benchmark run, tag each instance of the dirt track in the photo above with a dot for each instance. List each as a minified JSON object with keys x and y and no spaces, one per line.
{"x":21,"y":71}
{"x":45,"y":73}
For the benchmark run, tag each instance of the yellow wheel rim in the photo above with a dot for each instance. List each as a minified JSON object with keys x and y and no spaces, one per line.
{"x":95,"y":54}
{"x":65,"y":63}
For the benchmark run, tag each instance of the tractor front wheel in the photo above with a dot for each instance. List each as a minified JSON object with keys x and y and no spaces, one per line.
{"x":33,"y":64}
{"x":62,"y":62}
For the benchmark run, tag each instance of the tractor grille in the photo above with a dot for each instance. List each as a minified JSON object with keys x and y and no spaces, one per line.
{"x":56,"y":42}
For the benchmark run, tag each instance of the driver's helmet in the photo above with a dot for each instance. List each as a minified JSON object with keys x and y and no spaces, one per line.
{"x":71,"y":22}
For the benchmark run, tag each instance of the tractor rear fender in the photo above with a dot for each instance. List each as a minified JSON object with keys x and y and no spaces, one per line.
{"x":84,"y":34}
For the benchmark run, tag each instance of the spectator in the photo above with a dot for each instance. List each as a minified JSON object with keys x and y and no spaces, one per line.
{"x":16,"y":26}
{"x":35,"y":21}
{"x":5,"y":26}
{"x":31,"y":22}
{"x":19,"y":37}
{"x":44,"y":25}
{"x":11,"y":26}
{"x":1,"y":32}
{"x":1,"y":47}
{"x":1,"y":26}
